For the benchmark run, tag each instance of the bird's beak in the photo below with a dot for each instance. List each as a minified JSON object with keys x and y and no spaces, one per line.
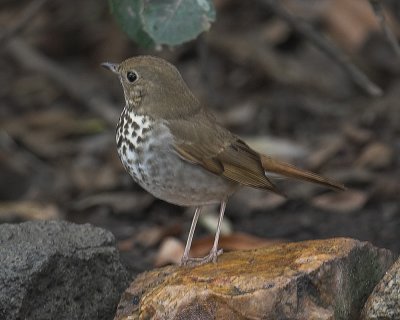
{"x":111,"y":66}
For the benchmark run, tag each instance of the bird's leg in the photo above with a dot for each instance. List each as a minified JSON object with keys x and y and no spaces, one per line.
{"x":214,"y":253}
{"x":185,"y":258}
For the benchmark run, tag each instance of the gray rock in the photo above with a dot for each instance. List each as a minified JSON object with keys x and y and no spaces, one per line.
{"x":58,"y":270}
{"x":384,"y":302}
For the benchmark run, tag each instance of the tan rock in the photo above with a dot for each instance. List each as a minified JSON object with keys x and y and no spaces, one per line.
{"x":384,"y":302}
{"x":322,"y":279}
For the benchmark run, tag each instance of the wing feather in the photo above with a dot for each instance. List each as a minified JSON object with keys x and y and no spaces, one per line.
{"x":217,"y":150}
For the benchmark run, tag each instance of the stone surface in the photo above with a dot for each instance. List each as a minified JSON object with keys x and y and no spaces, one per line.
{"x":384,"y":302}
{"x":58,"y":270}
{"x":325,"y":279}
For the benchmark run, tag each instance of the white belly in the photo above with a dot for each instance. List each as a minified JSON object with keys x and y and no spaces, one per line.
{"x":155,"y":166}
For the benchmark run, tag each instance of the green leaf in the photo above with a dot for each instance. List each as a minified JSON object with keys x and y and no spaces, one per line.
{"x":127,"y":13}
{"x":168,"y":22}
{"x":173,"y":22}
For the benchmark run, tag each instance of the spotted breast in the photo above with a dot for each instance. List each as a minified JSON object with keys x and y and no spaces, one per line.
{"x":144,"y":147}
{"x":132,"y":136}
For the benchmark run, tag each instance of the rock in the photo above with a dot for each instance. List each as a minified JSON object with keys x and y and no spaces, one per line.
{"x":323,"y":279}
{"x":384,"y":302}
{"x":58,"y":270}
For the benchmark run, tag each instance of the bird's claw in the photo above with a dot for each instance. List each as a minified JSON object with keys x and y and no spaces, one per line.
{"x":193,"y":262}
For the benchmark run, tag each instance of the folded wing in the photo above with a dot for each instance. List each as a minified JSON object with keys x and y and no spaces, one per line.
{"x":200,"y":140}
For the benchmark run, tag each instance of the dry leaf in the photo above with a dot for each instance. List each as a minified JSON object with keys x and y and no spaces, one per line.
{"x":126,"y":244}
{"x":248,"y":200}
{"x":349,"y":23}
{"x":341,"y":202}
{"x":357,"y":134}
{"x":387,"y":188}
{"x":275,"y":31}
{"x":171,"y":251}
{"x":239,"y":115}
{"x":120,"y":202}
{"x":46,"y":132}
{"x":87,"y":175}
{"x":149,"y":236}
{"x":235,"y":241}
{"x":309,"y":10}
{"x":28,"y":210}
{"x":209,"y":220}
{"x":355,"y":176}
{"x":330,"y":147}
{"x":277,"y":147}
{"x":376,"y":156}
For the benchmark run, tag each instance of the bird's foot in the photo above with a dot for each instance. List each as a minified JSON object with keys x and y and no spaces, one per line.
{"x":193,"y":262}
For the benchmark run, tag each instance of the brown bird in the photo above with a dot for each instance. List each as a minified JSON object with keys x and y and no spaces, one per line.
{"x":173,"y":147}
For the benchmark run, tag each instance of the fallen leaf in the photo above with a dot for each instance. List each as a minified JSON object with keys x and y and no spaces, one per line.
{"x":277,"y":147}
{"x":376,"y":156}
{"x":235,"y":241}
{"x":275,"y":31}
{"x":126,"y":244}
{"x":87,"y":174}
{"x":209,"y":220}
{"x":120,"y":202}
{"x":171,"y":249}
{"x":309,"y":10}
{"x":357,"y":134}
{"x":46,"y":132}
{"x":170,"y":252}
{"x":247,"y":200}
{"x":355,"y":176}
{"x":239,"y":115}
{"x":28,"y":210}
{"x":349,"y":23}
{"x":386,"y":188}
{"x":329,"y":147}
{"x":150,"y":236}
{"x":341,"y":202}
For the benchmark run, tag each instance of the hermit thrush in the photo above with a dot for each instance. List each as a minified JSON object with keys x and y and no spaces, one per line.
{"x":173,"y":147}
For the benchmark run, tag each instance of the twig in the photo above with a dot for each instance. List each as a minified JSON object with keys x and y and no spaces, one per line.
{"x":244,"y":49}
{"x":22,"y":21}
{"x":33,"y":60}
{"x":325,"y":46}
{"x":9,"y":144}
{"x":380,"y":14}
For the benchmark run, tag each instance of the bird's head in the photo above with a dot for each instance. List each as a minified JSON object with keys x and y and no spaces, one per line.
{"x":154,"y":87}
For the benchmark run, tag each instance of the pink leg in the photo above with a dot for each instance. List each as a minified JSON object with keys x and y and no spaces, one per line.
{"x":185,"y":258}
{"x":214,"y":253}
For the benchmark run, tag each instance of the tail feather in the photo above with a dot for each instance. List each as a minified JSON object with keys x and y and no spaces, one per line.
{"x":288,"y":170}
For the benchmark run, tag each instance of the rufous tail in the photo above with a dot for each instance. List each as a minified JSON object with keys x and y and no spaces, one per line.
{"x":288,"y":170}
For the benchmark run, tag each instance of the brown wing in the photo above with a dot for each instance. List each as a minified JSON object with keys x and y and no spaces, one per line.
{"x":200,"y":140}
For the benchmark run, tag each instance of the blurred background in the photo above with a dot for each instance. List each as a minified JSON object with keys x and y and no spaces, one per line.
{"x":263,"y":76}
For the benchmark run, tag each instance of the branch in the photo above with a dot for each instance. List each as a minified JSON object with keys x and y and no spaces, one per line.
{"x":22,"y":21}
{"x":33,"y":60}
{"x":325,"y":46}
{"x":380,"y":14}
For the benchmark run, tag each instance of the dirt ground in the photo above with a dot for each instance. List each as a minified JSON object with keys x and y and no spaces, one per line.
{"x":263,"y":78}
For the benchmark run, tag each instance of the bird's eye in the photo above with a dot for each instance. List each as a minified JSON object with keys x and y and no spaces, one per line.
{"x":131,"y":76}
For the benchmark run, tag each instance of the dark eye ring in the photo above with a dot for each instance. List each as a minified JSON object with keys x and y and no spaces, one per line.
{"x":131,"y":76}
